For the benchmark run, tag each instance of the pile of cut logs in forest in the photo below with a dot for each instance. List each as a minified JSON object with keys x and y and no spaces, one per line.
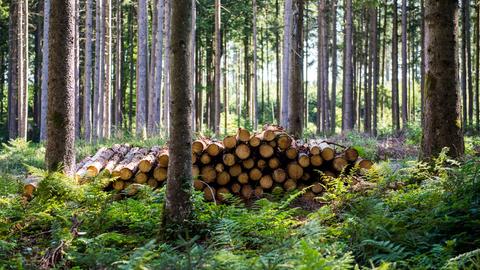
{"x":244,"y":164}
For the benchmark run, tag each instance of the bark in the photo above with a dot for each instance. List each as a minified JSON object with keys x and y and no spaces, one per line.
{"x":404,"y":65}
{"x":13,"y":70}
{"x":287,"y":43}
{"x":277,"y":63}
{"x":98,"y":78}
{"x":167,"y":87}
{"x":107,"y":41}
{"x":322,"y":45}
{"x":44,"y":91}
{"x":348,"y":119}
{"x":60,"y":148}
{"x":422,"y":60}
{"x":215,"y":109}
{"x":395,"y":101}
{"x":255,"y":67}
{"x":142,"y":72}
{"x":477,"y":66}
{"x":22,"y":69}
{"x":119,"y":96}
{"x":333,"y":109}
{"x":442,"y":125}
{"x":87,"y":92}
{"x":295,"y":105}
{"x":154,"y":105}
{"x":178,"y":204}
{"x":77,"y":69}
{"x":374,"y":62}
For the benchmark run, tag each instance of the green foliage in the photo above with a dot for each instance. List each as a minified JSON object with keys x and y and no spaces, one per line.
{"x":416,"y":216}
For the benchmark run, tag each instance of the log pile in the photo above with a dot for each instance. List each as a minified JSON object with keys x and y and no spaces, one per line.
{"x":244,"y":164}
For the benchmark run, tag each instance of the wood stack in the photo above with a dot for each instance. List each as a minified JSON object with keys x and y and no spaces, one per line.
{"x":243,"y":164}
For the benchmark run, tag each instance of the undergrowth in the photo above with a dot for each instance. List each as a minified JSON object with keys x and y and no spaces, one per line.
{"x":417,"y":216}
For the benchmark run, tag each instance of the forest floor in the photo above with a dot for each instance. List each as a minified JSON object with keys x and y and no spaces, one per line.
{"x":406,"y":215}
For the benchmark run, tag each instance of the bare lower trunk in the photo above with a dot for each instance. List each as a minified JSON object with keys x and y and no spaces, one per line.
{"x":295,"y":110}
{"x":60,"y":148}
{"x":348,"y":120}
{"x":44,"y":91}
{"x":287,"y":43}
{"x":178,"y":205}
{"x":443,"y":126}
{"x":142,"y":72}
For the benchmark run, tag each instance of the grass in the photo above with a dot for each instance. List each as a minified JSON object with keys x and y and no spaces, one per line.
{"x":418,"y":216}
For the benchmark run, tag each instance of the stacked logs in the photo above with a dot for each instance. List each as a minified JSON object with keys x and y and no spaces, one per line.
{"x":243,"y":164}
{"x":249,"y":165}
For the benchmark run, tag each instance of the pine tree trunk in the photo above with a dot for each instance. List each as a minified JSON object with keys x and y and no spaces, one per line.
{"x":154,"y":108}
{"x":464,"y":64}
{"x":333,"y":120}
{"x":443,"y":126}
{"x":295,"y":110}
{"x":87,"y":92}
{"x":119,"y":97}
{"x":107,"y":41}
{"x":60,"y":148}
{"x":348,"y":119}
{"x":178,"y":204}
{"x":255,"y":67}
{"x":166,"y":88}
{"x":132,"y":69}
{"x":375,"y":66}
{"x":477,"y":65}
{"x":287,"y":55}
{"x":77,"y":111}
{"x":217,"y":72}
{"x":395,"y":101}
{"x":13,"y":75}
{"x":44,"y":94}
{"x":98,"y":78}
{"x":22,"y":69}
{"x":277,"y":62}
{"x":404,"y":66}
{"x":422,"y":60}
{"x":142,"y":72}
{"x":469,"y":64}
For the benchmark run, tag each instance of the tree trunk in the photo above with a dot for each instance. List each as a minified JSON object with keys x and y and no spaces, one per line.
{"x":321,"y":22}
{"x":374,"y":63}
{"x":395,"y":101}
{"x":469,"y":64}
{"x":119,"y":97}
{"x":76,"y":45}
{"x":215,"y":109}
{"x":44,"y":94}
{"x":178,"y":204}
{"x":142,"y":72}
{"x":348,"y":120}
{"x":404,"y":66}
{"x":477,"y":65}
{"x":107,"y":41}
{"x":87,"y":92}
{"x":422,"y":60}
{"x":295,"y":110}
{"x":131,"y":68}
{"x":60,"y":148}
{"x":98,"y":78}
{"x":287,"y":55}
{"x":154,"y":105}
{"x":333,"y":120}
{"x":443,"y":126}
{"x":255,"y":67}
{"x":277,"y":62}
{"x":464,"y":64}
{"x":166,"y":87}
{"x":22,"y":69}
{"x":13,"y":70}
